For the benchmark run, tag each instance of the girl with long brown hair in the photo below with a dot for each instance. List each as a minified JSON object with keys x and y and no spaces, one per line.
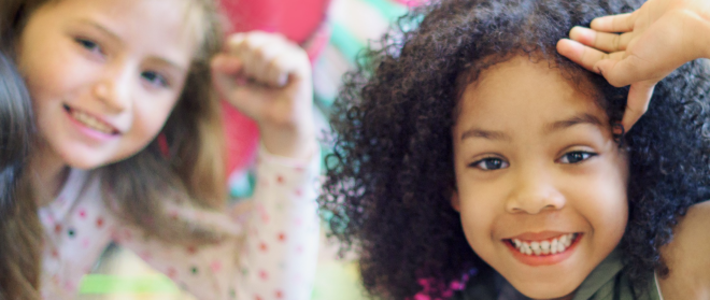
{"x":20,"y":231}
{"x":129,"y":145}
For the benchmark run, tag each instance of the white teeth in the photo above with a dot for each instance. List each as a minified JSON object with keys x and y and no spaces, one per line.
{"x":91,"y":122}
{"x":561,"y":248}
{"x":545,"y":247}
{"x":554,"y":246}
{"x":563,"y":240}
{"x":525,"y":248}
{"x":535,"y":247}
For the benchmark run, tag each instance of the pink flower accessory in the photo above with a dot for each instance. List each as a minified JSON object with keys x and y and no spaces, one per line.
{"x":432,"y":285}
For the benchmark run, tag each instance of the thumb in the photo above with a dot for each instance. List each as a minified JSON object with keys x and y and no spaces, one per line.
{"x":637,"y":103}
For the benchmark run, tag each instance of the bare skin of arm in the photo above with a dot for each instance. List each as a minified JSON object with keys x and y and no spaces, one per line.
{"x":688,"y":257}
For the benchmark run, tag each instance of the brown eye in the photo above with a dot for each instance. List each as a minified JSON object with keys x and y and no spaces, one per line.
{"x":576,"y":157}
{"x":490,"y":164}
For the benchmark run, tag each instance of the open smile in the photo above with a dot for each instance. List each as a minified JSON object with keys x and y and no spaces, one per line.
{"x":546,"y":251}
{"x":91,"y":122}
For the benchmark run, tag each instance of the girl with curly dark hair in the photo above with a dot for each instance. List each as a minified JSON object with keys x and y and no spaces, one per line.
{"x":474,"y":160}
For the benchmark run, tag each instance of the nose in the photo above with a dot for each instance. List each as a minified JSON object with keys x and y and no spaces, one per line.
{"x":534,"y":191}
{"x":115,"y":87}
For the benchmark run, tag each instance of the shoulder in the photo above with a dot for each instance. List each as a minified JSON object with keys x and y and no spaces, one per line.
{"x":688,"y":256}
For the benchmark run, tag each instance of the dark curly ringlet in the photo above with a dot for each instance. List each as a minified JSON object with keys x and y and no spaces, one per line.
{"x":390,"y":178}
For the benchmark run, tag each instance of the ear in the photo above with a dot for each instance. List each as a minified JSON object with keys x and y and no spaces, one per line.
{"x":455,"y":202}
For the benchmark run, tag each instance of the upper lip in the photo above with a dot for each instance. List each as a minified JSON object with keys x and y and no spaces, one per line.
{"x":102,"y":120}
{"x":538,"y":236}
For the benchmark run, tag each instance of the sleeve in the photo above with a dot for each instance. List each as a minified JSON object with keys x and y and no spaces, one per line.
{"x":270,"y":254}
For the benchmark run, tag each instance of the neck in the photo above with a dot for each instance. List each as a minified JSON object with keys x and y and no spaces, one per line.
{"x":47,"y":171}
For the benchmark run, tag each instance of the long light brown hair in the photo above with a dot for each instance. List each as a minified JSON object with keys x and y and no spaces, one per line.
{"x":20,"y":229}
{"x":191,"y":171}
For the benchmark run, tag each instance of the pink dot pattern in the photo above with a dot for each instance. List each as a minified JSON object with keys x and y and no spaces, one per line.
{"x":276,"y":261}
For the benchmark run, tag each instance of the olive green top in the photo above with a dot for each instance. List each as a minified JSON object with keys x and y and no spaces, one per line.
{"x":608,"y":281}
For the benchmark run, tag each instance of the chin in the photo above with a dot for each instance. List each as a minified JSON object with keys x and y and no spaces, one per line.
{"x":552,"y":288}
{"x":84,"y":161}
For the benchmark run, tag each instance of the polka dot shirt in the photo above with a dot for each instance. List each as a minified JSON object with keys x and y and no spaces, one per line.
{"x":271,"y":251}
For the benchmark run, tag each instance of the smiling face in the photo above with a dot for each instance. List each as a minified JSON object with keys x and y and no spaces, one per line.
{"x":104,"y":74}
{"x":541,"y":184}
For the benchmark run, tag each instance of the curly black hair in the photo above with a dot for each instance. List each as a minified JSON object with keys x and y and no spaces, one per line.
{"x":390,"y":178}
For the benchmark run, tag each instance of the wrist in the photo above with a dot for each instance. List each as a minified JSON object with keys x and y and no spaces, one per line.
{"x":297,"y":142}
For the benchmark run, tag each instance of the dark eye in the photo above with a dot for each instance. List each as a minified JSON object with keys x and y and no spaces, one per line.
{"x":576,"y":157}
{"x":155,"y":78}
{"x":490,"y":163}
{"x":89,"y":45}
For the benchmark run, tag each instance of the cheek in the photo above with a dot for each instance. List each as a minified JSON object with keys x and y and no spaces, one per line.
{"x":150,"y":118}
{"x":480,"y":208}
{"x":603,"y":199}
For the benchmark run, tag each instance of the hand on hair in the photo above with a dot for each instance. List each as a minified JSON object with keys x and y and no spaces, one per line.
{"x":641,"y":48}
{"x":268,"y":78}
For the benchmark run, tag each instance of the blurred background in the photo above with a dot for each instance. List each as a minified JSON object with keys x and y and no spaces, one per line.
{"x":332,"y":32}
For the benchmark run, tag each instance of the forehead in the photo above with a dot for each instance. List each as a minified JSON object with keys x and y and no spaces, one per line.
{"x":164,"y":26}
{"x":525,"y":91}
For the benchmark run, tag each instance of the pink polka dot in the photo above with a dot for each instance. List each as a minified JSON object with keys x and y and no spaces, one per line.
{"x":263,"y":275}
{"x":263,"y":247}
{"x":280,"y":179}
{"x":99,"y":222}
{"x":172,"y":273}
{"x":216,"y":266}
{"x":265,"y":218}
{"x":282,"y":237}
{"x":85,"y":242}
{"x":300,"y":169}
{"x":298,"y":192}
{"x":82,"y":213}
{"x":279,"y":294}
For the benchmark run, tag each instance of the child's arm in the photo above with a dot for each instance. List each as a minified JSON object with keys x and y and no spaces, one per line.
{"x":268,"y":254}
{"x":272,"y":254}
{"x":687,"y":257}
{"x":656,"y":39}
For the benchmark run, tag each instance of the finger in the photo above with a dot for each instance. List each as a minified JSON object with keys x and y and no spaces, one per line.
{"x":615,"y":23}
{"x":584,"y":56}
{"x":637,"y":103}
{"x":277,"y":71}
{"x":293,"y":63}
{"x":226,"y":65}
{"x":607,"y":42}
{"x":254,"y":52}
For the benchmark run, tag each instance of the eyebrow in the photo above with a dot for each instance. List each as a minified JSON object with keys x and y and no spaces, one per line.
{"x":583,"y":118}
{"x":103,"y":29}
{"x":118,"y":39}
